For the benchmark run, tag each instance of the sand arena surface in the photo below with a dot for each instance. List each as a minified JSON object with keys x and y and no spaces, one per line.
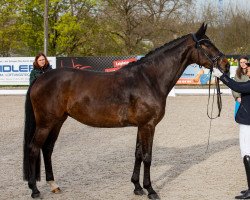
{"x":95,"y":164}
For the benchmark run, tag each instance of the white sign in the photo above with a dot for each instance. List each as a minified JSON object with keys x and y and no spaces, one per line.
{"x":233,"y":71}
{"x":16,"y":70}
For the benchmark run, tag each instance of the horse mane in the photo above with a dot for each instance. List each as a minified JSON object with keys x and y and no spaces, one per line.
{"x":157,"y":51}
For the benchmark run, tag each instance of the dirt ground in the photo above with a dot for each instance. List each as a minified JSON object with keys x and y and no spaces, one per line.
{"x":94,"y":164}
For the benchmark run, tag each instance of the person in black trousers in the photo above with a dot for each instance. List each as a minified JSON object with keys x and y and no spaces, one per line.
{"x":243,"y":119}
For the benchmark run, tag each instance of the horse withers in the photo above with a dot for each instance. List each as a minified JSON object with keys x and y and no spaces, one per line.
{"x":132,"y":96}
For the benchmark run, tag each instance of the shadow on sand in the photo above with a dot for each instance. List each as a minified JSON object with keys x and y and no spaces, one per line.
{"x":182,"y":159}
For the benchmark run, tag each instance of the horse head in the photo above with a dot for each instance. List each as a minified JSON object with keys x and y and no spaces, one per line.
{"x":205,"y":53}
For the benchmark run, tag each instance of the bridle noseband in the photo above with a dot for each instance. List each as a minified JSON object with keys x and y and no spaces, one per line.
{"x":214,"y":63}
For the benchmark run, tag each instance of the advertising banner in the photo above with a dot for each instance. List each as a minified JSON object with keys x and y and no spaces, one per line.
{"x":194,"y":74}
{"x":104,"y":64}
{"x":16,"y":70}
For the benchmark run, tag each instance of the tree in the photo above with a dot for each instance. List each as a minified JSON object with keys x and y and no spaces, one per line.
{"x":31,"y":26}
{"x":9,"y":37}
{"x":236,"y":34}
{"x":231,"y":34}
{"x":138,"y":25}
{"x":114,"y":27}
{"x":73,"y":25}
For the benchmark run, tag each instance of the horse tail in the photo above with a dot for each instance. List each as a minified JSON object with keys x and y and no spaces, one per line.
{"x":29,"y":132}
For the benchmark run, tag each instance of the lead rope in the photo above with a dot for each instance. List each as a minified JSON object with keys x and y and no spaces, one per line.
{"x":219,"y":104}
{"x":210,"y":124}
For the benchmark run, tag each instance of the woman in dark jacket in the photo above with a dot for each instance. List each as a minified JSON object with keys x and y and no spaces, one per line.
{"x":241,"y":75}
{"x":40,"y":66}
{"x":243,"y":118}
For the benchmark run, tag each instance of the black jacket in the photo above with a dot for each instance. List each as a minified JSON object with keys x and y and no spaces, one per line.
{"x":36,"y":72}
{"x":243,"y":114}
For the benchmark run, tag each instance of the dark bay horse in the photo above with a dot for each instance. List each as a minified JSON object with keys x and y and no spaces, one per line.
{"x":133,"y":96}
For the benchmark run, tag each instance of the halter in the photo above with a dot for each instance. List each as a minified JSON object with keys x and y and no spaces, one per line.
{"x":213,"y":61}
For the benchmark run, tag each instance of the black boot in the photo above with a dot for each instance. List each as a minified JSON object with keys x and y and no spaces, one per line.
{"x":246,"y":195}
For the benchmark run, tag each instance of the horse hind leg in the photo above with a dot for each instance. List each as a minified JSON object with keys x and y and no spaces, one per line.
{"x":34,"y":159}
{"x":34,"y":166}
{"x":47,"y":150}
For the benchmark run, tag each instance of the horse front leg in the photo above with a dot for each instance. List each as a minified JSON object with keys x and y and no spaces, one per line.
{"x":137,"y":167}
{"x":146,"y":135}
{"x":34,"y":159}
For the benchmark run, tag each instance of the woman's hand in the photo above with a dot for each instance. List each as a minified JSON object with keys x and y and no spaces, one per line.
{"x":217,"y":72}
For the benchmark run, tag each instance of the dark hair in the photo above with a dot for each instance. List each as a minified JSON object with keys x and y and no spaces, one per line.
{"x":36,"y":58}
{"x":239,"y":70}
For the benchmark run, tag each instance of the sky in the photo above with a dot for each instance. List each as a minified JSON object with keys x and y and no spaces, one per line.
{"x":222,"y":6}
{"x":241,"y":4}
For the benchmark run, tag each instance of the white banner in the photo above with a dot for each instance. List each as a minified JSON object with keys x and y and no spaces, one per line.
{"x":16,"y":70}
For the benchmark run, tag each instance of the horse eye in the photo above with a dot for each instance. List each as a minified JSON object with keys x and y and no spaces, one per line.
{"x":206,"y":44}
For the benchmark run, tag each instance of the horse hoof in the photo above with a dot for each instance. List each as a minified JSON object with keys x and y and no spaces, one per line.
{"x":154,"y":196}
{"x":56,"y":191}
{"x":35,"y":195}
{"x":139,"y":192}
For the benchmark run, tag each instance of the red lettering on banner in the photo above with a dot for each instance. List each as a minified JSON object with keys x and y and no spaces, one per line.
{"x":121,"y":63}
{"x":118,"y":64}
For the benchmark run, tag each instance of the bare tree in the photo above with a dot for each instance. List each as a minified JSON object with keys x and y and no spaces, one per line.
{"x":139,"y":24}
{"x":232,"y":34}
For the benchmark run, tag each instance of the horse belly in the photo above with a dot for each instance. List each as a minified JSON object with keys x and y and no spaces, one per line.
{"x":98,"y":116}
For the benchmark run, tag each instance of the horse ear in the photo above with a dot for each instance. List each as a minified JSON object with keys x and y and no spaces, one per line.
{"x":201,"y":31}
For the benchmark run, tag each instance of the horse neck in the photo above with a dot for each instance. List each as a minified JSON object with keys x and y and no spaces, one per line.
{"x":167,"y":67}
